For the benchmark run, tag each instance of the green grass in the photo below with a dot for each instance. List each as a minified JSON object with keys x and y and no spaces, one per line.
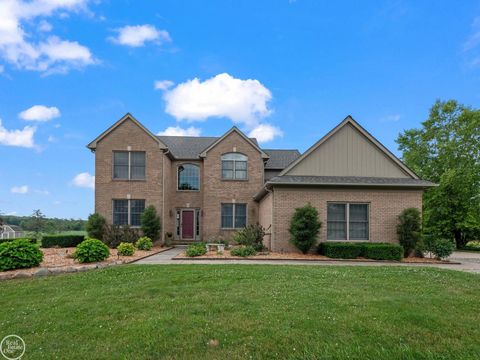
{"x":254,"y":311}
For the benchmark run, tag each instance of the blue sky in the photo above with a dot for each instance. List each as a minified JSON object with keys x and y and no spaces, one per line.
{"x":284,"y":71}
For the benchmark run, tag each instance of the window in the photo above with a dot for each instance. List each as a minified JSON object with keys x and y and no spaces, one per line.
{"x":347,"y":221}
{"x":234,"y":216}
{"x":188,"y":177}
{"x":129,"y":165}
{"x":128,"y":212}
{"x":234,"y":166}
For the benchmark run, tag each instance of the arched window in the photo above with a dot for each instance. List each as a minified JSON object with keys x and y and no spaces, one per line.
{"x":234,"y":166}
{"x":188,"y":177}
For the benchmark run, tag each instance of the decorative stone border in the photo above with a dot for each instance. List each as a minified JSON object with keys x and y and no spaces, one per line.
{"x":45,"y":271}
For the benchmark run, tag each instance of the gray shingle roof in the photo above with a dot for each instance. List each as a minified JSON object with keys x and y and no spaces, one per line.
{"x":349,"y":180}
{"x":279,"y":158}
{"x":189,"y":147}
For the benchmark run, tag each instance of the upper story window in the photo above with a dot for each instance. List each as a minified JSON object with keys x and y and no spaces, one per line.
{"x":129,"y":165}
{"x":188,"y":177}
{"x":234,"y":166}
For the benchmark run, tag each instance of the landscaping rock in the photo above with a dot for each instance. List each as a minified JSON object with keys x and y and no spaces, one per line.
{"x":41,"y":272}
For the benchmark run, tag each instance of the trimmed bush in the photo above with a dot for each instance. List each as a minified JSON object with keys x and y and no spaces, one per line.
{"x":440,"y":248}
{"x":49,"y":241}
{"x":472,"y":245}
{"x":30,"y":240}
{"x":409,"y":230}
{"x":382,"y":251}
{"x":126,"y":249}
{"x":95,"y":226}
{"x":304,"y":228}
{"x":251,"y":235}
{"x":91,"y":250}
{"x":243,"y":251}
{"x":150,"y":223}
{"x":144,"y":243}
{"x":197,"y":249}
{"x":115,"y":234}
{"x":375,"y":251}
{"x":19,"y":254}
{"x":340,"y":250}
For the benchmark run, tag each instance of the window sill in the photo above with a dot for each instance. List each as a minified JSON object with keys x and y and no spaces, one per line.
{"x":189,"y":191}
{"x":231,"y":229}
{"x":130,"y":180}
{"x":332,"y":240}
{"x":242,"y":180}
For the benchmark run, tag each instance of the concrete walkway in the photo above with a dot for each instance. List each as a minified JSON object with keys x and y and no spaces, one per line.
{"x":470,"y":262}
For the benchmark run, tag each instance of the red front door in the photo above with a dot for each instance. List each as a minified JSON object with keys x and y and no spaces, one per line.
{"x":187,"y":224}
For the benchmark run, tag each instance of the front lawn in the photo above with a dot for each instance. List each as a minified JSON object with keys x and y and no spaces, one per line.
{"x":246,"y":311}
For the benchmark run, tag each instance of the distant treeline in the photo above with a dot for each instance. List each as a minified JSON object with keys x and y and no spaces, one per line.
{"x":49,"y":225}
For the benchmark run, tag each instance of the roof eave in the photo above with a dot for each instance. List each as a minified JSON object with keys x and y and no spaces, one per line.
{"x":418,"y":186}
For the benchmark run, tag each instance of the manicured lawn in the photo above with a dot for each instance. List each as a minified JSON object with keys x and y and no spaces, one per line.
{"x":297,"y":312}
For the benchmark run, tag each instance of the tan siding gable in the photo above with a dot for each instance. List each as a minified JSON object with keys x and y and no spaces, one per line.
{"x":348,"y":153}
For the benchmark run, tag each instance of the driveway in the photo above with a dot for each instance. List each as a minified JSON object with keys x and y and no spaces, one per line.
{"x":470,"y":262}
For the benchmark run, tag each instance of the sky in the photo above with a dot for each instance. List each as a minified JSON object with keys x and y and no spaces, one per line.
{"x":283,"y":71}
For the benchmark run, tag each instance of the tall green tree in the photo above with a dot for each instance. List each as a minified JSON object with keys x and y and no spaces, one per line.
{"x":446,"y":150}
{"x":150,"y":223}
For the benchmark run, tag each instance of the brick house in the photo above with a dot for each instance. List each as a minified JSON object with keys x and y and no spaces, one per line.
{"x":204,"y":187}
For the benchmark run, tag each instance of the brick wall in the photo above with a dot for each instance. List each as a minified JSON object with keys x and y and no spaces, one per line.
{"x":385,"y":206}
{"x":106,"y":189}
{"x":216,"y":190}
{"x":265,"y":212}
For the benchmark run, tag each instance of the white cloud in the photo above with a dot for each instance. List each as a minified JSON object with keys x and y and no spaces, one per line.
{"x":51,"y":138}
{"x":138,"y":35}
{"x":22,"y":138}
{"x":265,"y":133}
{"x":84,"y":180}
{"x":163,"y":84}
{"x":23,"y":189}
{"x":243,"y":101}
{"x":42,"y":192}
{"x":45,"y":26}
{"x":178,"y":131}
{"x":39,"y":113}
{"x":391,"y":118}
{"x":25,"y":50}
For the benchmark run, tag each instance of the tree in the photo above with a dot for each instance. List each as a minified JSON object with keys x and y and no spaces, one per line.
{"x":409,"y":230}
{"x":95,"y":226}
{"x":150,"y":223}
{"x":304,"y":227}
{"x":446,"y":150}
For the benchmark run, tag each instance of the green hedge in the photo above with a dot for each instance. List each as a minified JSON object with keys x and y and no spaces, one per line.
{"x":31,"y":240}
{"x":49,"y":241}
{"x":19,"y":254}
{"x":346,"y":250}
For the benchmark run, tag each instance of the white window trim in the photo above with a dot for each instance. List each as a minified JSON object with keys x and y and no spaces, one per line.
{"x":347,"y":215}
{"x":233,"y":215}
{"x":129,"y":166}
{"x":129,"y":212}
{"x":199,"y":177}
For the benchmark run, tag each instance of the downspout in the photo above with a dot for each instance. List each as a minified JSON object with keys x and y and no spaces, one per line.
{"x":165,"y":153}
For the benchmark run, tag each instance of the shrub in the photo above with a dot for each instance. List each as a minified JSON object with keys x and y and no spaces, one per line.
{"x":473,"y":245}
{"x":382,"y":251}
{"x":115,"y":234}
{"x":95,"y":226}
{"x":409,"y":230}
{"x":243,"y":251}
{"x":91,"y":250}
{"x":19,"y":254}
{"x":376,"y":251}
{"x":150,"y":223}
{"x":440,"y":248}
{"x":340,"y":250}
{"x":49,"y":241}
{"x":30,"y":240}
{"x":144,"y":243}
{"x":196,"y":249}
{"x":304,"y":228}
{"x":251,"y":235}
{"x":126,"y":249}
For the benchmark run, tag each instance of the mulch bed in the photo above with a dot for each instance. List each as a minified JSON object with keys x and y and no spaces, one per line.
{"x":212,"y":255}
{"x":59,"y":260}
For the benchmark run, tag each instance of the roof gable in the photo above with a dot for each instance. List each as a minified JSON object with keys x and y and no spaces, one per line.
{"x":236,"y":130}
{"x":127,"y":117}
{"x":349,"y":150}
